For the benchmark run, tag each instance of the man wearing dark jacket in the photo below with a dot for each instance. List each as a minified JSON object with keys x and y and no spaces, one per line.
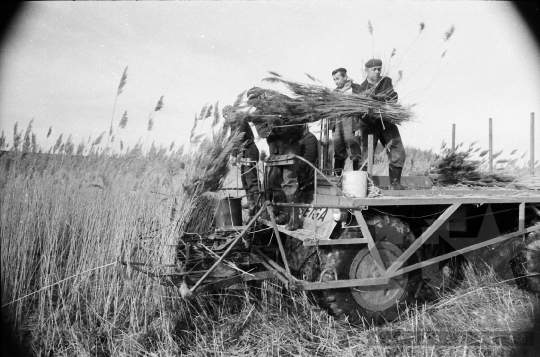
{"x":309,"y":150}
{"x":344,"y":128}
{"x":282,"y":139}
{"x":381,"y":89}
{"x":238,"y":123}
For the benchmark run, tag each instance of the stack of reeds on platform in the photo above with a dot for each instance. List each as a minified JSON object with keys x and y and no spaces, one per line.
{"x":455,"y":167}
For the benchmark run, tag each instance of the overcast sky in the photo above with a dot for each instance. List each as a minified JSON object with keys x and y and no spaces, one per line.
{"x":62,"y":62}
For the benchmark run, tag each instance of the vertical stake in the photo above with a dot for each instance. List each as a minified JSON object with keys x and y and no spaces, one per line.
{"x":370,"y":155}
{"x":237,"y":168}
{"x":490,"y":144}
{"x":315,"y":186}
{"x":522,"y":216}
{"x":321,"y":146}
{"x":453,"y":137}
{"x":532,"y":143}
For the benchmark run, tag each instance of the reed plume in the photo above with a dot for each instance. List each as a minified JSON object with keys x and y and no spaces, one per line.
{"x":159,"y":104}
{"x":3,"y":141}
{"x":150,"y":123}
{"x":98,"y":139}
{"x":17,"y":136}
{"x":121,"y":85}
{"x":123,"y":82}
{"x":58,"y":143}
{"x":216,"y":115}
{"x":123,"y":121}
{"x":27,"y":138}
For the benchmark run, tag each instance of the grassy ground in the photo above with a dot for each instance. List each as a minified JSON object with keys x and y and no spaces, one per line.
{"x":66,"y":221}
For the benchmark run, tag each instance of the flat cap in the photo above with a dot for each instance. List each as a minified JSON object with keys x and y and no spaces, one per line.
{"x":373,"y":63}
{"x":254,"y":92}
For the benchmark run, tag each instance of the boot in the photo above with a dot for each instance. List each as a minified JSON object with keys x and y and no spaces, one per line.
{"x":249,"y":205}
{"x":280,"y":213}
{"x":394,"y":174}
{"x":281,"y":216}
{"x":356,"y":165}
{"x":294,"y":212}
{"x":339,"y":164}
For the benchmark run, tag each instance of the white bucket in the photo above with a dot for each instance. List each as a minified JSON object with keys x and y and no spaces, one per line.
{"x":355,"y":183}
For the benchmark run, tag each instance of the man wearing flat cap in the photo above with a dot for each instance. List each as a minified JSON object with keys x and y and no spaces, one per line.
{"x":238,"y":123}
{"x":282,"y":139}
{"x":380,"y":88}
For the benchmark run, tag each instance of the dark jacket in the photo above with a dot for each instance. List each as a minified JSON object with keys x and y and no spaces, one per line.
{"x":356,"y":89}
{"x":309,"y":150}
{"x":383,"y":91}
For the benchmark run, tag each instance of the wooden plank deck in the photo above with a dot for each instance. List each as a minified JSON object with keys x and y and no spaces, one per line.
{"x":432,"y":196}
{"x":422,"y":192}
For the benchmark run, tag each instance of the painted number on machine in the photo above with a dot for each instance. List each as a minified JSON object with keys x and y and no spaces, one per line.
{"x":316,"y":214}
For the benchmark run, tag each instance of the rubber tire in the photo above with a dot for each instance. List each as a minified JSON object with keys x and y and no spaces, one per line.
{"x":308,"y":262}
{"x":340,"y":302}
{"x":526,"y":265}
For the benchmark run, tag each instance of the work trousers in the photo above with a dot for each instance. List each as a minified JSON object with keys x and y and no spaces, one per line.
{"x":387,"y":136}
{"x":305,"y":179}
{"x":284,"y":178}
{"x":249,"y":173}
{"x":343,"y":137}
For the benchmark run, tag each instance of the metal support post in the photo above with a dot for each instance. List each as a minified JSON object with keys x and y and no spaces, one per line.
{"x":522,"y":216}
{"x":371,"y":243}
{"x":417,"y":243}
{"x":490,"y":144}
{"x":460,"y":252}
{"x":453,"y":137}
{"x":370,"y":155}
{"x":278,"y":237}
{"x":532,"y":144}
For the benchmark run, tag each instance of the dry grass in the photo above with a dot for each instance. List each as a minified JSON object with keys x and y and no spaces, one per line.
{"x":482,"y":317}
{"x":66,"y":220}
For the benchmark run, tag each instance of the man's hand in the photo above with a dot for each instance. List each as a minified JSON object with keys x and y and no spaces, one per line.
{"x":379,"y":97}
{"x":368,"y":114}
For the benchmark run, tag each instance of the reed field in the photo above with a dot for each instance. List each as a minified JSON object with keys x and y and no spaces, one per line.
{"x":68,"y":221}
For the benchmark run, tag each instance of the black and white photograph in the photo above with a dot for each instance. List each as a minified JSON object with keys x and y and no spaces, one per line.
{"x":270,"y":178}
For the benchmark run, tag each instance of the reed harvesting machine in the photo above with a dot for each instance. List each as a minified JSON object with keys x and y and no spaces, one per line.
{"x":370,"y":255}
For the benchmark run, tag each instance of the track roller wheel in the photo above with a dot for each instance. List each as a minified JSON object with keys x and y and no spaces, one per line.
{"x":526,"y":265}
{"x":376,"y":304}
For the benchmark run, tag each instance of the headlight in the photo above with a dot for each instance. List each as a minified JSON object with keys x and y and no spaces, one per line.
{"x":339,"y":215}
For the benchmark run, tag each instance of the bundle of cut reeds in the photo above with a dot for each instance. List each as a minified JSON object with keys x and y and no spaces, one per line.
{"x":312,"y":102}
{"x":201,"y":214}
{"x":207,"y":168}
{"x":458,"y":167}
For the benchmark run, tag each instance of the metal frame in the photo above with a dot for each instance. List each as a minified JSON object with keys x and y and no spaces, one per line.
{"x":453,"y":198}
{"x":396,"y":269}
